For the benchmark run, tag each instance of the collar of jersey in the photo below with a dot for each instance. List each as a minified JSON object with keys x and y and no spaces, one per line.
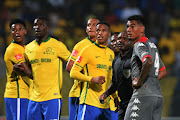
{"x":89,"y":39}
{"x":143,"y":39}
{"x":101,"y":46}
{"x":18,"y":44}
{"x":44,"y":40}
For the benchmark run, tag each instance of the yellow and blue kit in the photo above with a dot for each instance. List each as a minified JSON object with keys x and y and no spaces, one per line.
{"x":94,"y":60}
{"x":16,"y":91}
{"x":77,"y":86}
{"x":46,"y":63}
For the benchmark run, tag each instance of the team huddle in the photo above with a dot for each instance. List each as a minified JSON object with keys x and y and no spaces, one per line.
{"x":120,"y":82}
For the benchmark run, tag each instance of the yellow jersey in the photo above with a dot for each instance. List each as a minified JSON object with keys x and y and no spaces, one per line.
{"x":16,"y":87}
{"x":46,"y":63}
{"x":77,"y":86}
{"x":96,"y":61}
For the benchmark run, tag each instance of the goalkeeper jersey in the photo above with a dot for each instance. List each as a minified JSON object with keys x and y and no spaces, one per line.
{"x":46,"y":62}
{"x":77,"y":86}
{"x":16,"y":87}
{"x":96,"y":61}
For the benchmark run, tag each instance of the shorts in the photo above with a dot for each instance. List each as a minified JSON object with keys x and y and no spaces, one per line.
{"x":16,"y":108}
{"x":45,"y":110}
{"x":114,"y":116}
{"x":87,"y":112}
{"x":73,"y":107}
{"x":144,"y":108}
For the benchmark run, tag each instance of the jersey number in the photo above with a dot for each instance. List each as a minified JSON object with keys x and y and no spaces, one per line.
{"x":156,"y":64}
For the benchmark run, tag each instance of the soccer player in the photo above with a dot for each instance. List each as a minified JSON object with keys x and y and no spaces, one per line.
{"x":146,"y":102}
{"x":121,"y":79}
{"x":16,"y":92}
{"x":45,"y":55}
{"x":96,"y":59}
{"x":77,"y":86}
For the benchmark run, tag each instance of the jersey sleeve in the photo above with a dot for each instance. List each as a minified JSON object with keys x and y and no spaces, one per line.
{"x":142,"y":51}
{"x":63,"y":52}
{"x":162,"y":66}
{"x":75,"y":52}
{"x":79,"y":64}
{"x":16,"y":55}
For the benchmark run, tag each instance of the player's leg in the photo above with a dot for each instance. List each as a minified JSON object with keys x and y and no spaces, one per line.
{"x":34,"y":111}
{"x":51,"y":109}
{"x":73,"y":107}
{"x":23,"y":108}
{"x":87,"y":112}
{"x":8,"y":103}
{"x":106,"y":114}
{"x":157,"y":113}
{"x":140,"y":108}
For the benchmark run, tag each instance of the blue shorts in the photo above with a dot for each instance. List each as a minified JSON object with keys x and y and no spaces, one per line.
{"x":87,"y":112}
{"x":73,"y":107}
{"x":16,"y":108}
{"x":114,"y":116}
{"x":46,"y":110}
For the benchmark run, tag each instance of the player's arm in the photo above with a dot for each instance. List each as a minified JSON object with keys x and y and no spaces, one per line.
{"x":23,"y":69}
{"x":79,"y":64}
{"x":162,"y":70}
{"x":143,"y":53}
{"x":69,"y":65}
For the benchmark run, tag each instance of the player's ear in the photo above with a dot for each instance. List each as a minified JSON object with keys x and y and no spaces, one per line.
{"x":142,"y":29}
{"x":109,"y":34}
{"x":25,"y":31}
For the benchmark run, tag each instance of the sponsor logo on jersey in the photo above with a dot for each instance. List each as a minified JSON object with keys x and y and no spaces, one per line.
{"x":79,"y":59}
{"x":135,"y":108}
{"x":48,"y":51}
{"x":140,"y":45}
{"x":101,"y":66}
{"x":18,"y":56}
{"x":134,"y":114}
{"x":136,"y":100}
{"x":74,"y":53}
{"x":111,"y":58}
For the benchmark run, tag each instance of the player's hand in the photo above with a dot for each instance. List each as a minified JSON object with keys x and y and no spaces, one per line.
{"x":136,"y":84}
{"x":18,"y":68}
{"x":117,"y":104}
{"x":102,"y":98}
{"x":99,"y":79}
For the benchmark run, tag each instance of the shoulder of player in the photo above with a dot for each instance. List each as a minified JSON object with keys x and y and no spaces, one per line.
{"x":14,"y":47}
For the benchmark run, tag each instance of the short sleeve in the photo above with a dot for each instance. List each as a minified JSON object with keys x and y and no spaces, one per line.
{"x":16,"y":55}
{"x":141,"y":51}
{"x":63,"y":52}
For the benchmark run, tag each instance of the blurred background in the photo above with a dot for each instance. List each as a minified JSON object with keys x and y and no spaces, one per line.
{"x":68,"y":22}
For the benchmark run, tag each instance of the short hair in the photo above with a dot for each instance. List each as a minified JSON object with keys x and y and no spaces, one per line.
{"x":115,"y":33}
{"x":43,"y":18}
{"x":138,"y":18}
{"x":17,"y":21}
{"x":103,"y":22}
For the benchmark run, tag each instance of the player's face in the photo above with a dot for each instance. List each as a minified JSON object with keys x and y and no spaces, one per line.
{"x":134,"y":30}
{"x":40,"y":27}
{"x":91,"y":27}
{"x":18,"y":32}
{"x":113,"y":44}
{"x":102,"y":33}
{"x":123,"y":42}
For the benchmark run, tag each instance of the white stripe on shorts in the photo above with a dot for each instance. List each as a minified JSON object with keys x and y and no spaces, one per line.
{"x":59,"y":110}
{"x":18,"y":108}
{"x":84,"y":110}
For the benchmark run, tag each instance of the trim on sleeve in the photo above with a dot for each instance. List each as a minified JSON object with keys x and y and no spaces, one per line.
{"x":162,"y":68}
{"x":78,"y":65}
{"x":145,"y":57}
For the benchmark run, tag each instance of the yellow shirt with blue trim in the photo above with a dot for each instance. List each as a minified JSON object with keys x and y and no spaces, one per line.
{"x":46,"y":62}
{"x":77,"y":86}
{"x":96,"y":61}
{"x":16,"y":86}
